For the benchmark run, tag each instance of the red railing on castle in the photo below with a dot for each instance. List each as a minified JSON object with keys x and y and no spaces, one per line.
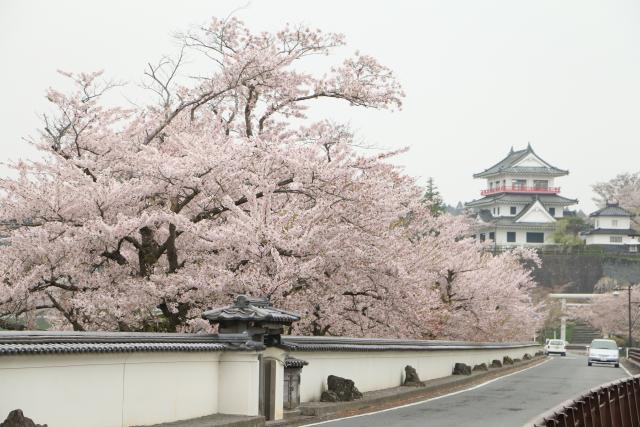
{"x":520,"y":189}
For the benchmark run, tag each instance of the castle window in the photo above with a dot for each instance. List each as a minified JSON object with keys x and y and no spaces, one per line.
{"x":615,"y":239}
{"x":512,"y":210}
{"x":552,"y":211}
{"x":519,"y":184}
{"x":540,"y":184}
{"x":614,"y":222}
{"x":535,"y":237}
{"x":482,"y":237}
{"x":511,"y":236}
{"x":492,"y":236}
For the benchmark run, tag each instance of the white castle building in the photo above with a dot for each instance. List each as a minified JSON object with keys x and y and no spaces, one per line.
{"x":521,"y":202}
{"x":612,"y":227}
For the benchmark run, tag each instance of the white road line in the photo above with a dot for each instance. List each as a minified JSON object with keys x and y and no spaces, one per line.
{"x":431,"y":399}
{"x":625,"y":369}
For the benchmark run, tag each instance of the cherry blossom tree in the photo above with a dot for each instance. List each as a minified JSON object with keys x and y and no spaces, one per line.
{"x":140,"y":218}
{"x":624,"y":188}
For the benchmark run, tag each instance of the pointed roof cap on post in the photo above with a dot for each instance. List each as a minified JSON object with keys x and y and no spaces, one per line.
{"x":246,"y":308}
{"x":509,"y":164}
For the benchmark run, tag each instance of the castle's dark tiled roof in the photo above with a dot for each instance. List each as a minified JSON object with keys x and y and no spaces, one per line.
{"x":520,"y":199}
{"x":612,"y":209}
{"x":614,"y":231}
{"x":508,"y":165}
{"x":485,"y":215}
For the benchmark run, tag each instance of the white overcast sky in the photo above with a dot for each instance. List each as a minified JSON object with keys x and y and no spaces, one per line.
{"x":480,"y":76}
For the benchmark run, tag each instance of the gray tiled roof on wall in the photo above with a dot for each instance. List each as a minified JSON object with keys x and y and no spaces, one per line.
{"x":614,"y":231}
{"x":49,"y":342}
{"x":52,"y":348}
{"x":296,"y":343}
{"x":34,"y":342}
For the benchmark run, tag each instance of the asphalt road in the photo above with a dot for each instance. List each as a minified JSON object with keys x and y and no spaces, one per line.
{"x":510,"y":401}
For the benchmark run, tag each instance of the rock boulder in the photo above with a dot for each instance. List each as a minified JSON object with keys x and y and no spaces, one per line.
{"x":481,"y":367}
{"x":17,"y":419}
{"x":411,"y":377}
{"x":340,"y":390}
{"x":461,"y":369}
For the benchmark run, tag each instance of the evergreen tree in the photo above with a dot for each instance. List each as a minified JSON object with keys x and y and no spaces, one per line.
{"x":432,"y":197}
{"x":568,"y":231}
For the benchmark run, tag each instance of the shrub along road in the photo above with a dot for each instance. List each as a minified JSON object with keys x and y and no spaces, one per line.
{"x":508,"y":401}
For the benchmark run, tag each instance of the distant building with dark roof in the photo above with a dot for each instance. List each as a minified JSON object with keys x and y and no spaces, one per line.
{"x":521,"y":202}
{"x":5,"y":228}
{"x":612,"y":228}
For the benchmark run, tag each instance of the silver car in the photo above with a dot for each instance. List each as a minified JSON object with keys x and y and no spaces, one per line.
{"x":556,"y":347}
{"x":603,"y":351}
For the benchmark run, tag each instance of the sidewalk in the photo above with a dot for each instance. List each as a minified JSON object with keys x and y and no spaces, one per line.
{"x":217,"y":420}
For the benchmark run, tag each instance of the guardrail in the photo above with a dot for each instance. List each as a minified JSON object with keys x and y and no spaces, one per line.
{"x":616,"y":404}
{"x":634,"y":355}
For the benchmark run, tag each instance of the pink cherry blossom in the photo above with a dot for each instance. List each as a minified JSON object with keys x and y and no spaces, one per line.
{"x":141,"y":218}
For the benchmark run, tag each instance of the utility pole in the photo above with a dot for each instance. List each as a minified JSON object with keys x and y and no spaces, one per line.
{"x":629,"y":303}
{"x":629,"y":293}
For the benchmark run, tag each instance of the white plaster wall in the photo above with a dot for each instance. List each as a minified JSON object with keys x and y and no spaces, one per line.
{"x":505,"y":209}
{"x":124,"y":389}
{"x":509,"y":180}
{"x":537,"y":213}
{"x":521,"y":238}
{"x":63,"y":390}
{"x":171,"y":386}
{"x":623,"y":223}
{"x":599,"y":239}
{"x":239,"y":383}
{"x":384,"y":369}
{"x":501,"y":237}
{"x":604,"y":239}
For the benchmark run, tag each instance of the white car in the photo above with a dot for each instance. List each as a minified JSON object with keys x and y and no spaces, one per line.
{"x":603,"y":351}
{"x":555,"y":347}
